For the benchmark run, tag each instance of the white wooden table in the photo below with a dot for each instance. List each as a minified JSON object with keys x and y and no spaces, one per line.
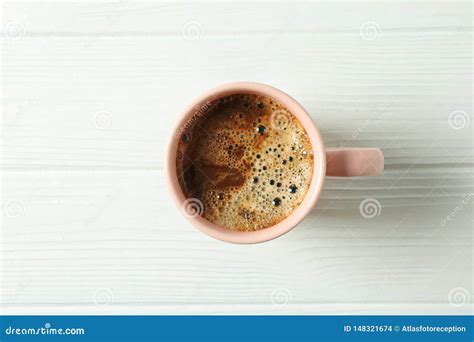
{"x":91,"y":91}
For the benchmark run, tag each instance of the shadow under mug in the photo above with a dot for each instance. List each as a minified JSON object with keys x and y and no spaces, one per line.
{"x":339,"y":162}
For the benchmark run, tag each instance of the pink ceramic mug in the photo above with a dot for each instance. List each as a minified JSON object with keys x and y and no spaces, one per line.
{"x":346,"y":162}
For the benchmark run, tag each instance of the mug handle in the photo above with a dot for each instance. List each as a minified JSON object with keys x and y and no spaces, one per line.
{"x":351,"y":162}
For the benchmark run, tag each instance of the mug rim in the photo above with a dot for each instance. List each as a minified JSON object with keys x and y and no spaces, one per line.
{"x":317,"y":178}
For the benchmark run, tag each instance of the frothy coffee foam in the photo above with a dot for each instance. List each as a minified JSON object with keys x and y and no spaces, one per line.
{"x":248,"y":160}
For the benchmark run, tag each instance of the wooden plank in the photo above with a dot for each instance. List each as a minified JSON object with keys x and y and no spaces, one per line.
{"x":79,"y":232}
{"x":231,"y":18}
{"x":243,"y":309}
{"x":114,"y":103}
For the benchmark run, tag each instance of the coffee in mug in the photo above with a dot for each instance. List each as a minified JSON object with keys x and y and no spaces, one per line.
{"x":247,"y":160}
